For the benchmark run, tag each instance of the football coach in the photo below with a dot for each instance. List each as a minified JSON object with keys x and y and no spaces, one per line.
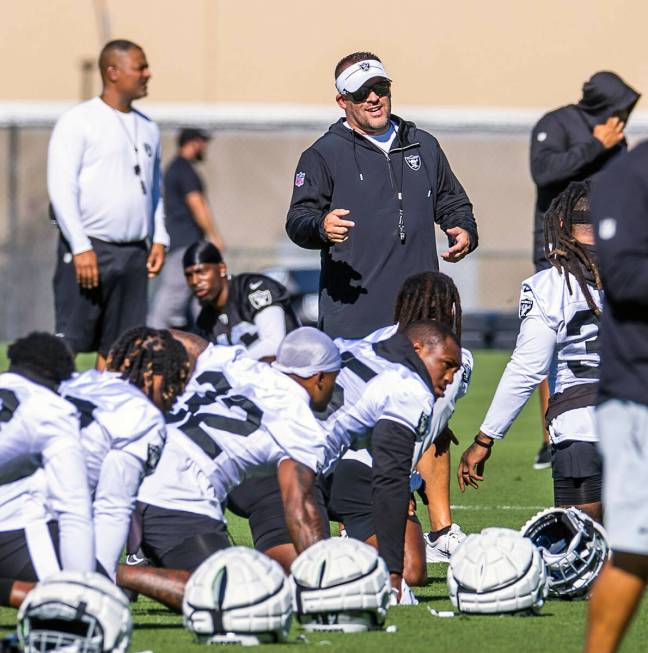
{"x":367,"y":194}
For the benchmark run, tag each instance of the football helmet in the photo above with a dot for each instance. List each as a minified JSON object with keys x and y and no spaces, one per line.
{"x":340,"y":584}
{"x":238,"y":595}
{"x":573,"y":546}
{"x":497,"y":571}
{"x":74,"y":611}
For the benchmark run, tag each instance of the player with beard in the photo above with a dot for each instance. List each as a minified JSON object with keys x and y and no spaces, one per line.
{"x":247,"y":309}
{"x":560,"y":310}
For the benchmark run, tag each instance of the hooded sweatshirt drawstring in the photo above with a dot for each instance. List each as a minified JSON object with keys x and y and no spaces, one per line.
{"x":355,"y":156}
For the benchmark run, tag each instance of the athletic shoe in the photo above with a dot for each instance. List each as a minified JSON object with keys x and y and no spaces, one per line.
{"x":407,"y":596}
{"x":443,"y":547}
{"x":543,"y":457}
{"x":135,"y":560}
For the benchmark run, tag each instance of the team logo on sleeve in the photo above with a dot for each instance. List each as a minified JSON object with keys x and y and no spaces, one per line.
{"x":525,"y":306}
{"x":299,"y":179}
{"x":607,"y":228}
{"x":542,"y":136}
{"x":413,"y":161}
{"x":260,"y":299}
{"x":423,"y":425}
{"x":152,"y":458}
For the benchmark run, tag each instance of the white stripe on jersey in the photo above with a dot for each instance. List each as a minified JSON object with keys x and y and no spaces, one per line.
{"x":553,"y":320}
{"x":370,"y":388}
{"x":443,"y":406}
{"x":218,"y":440}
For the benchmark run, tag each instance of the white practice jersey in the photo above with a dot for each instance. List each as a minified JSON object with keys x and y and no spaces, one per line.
{"x":122,"y":433}
{"x":217,"y":440}
{"x":42,"y":468}
{"x":443,"y":406}
{"x":370,"y":388}
{"x":554,"y":322}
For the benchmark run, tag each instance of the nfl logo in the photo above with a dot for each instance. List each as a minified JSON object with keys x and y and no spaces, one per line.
{"x":299,"y":179}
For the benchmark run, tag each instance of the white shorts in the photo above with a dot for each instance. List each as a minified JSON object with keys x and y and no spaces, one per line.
{"x":623,"y":432}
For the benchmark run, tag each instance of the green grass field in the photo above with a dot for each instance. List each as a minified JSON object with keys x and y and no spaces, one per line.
{"x":512,"y":492}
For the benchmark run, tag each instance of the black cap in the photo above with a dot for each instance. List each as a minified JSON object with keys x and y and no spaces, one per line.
{"x":190,"y":134}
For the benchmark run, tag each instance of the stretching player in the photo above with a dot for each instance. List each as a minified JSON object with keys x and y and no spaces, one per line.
{"x":384,"y":399}
{"x":560,"y":309}
{"x":433,"y":296}
{"x":45,"y":508}
{"x":122,"y":429}
{"x":262,"y":424}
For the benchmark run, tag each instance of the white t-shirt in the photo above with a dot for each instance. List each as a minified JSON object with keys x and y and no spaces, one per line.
{"x":122,"y":434}
{"x":553,"y":319}
{"x":42,"y":468}
{"x":91,"y":176}
{"x":384,"y":141}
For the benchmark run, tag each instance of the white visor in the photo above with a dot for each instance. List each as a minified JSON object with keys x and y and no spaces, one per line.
{"x":307,"y":351}
{"x":355,"y":76}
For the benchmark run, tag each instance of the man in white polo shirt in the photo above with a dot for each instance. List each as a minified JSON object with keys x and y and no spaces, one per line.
{"x":103,"y":178}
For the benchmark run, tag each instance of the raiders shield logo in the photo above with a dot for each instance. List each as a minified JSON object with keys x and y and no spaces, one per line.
{"x":364,"y":66}
{"x":525,"y":306}
{"x":260,"y":299}
{"x":413,"y":161}
{"x":152,"y":458}
{"x":423,"y":424}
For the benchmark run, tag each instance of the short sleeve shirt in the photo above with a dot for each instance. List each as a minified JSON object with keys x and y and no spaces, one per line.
{"x":181,"y":179}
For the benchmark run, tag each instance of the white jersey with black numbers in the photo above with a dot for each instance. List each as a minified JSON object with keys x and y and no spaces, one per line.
{"x":555,"y":321}
{"x":122,"y":433}
{"x":217,"y":440}
{"x":42,"y":468}
{"x":370,"y":388}
{"x":443,"y":406}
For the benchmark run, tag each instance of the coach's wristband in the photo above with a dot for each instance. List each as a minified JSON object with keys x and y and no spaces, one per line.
{"x":484,"y":444}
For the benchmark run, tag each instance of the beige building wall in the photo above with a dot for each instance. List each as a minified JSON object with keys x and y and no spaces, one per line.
{"x":501,"y":53}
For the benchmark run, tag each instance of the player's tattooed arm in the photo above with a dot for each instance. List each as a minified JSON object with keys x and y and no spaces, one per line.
{"x":303,"y":519}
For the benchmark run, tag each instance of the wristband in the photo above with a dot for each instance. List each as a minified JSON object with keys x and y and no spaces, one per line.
{"x":483,"y":444}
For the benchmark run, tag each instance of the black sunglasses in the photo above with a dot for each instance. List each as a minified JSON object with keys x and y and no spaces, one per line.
{"x":379,"y":88}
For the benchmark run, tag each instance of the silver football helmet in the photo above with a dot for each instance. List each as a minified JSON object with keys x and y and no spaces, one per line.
{"x":238,"y":596}
{"x":340,"y":584}
{"x":497,"y":571}
{"x":73,"y":611}
{"x":573,"y":546}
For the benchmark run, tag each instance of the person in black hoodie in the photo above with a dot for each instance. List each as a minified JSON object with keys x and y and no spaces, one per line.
{"x":367,"y":194}
{"x":573,"y":143}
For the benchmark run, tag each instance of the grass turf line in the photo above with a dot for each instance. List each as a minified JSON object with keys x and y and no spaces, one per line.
{"x":508,"y":497}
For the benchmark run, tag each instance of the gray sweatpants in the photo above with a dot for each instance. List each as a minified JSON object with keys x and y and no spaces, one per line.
{"x":173,"y":297}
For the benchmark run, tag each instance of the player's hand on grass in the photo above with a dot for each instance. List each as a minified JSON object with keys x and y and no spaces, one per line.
{"x":461,"y":245}
{"x":396,"y":583}
{"x":155,"y":260}
{"x":609,"y":133}
{"x":335,"y":227}
{"x":87,"y":269}
{"x":473,"y":460}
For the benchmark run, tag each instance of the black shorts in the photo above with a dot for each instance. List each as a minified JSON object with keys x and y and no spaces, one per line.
{"x":577,"y":470}
{"x":176,"y":539}
{"x":91,"y":320}
{"x":259,"y":501}
{"x":575,"y":459}
{"x":350,"y":498}
{"x":16,"y":553}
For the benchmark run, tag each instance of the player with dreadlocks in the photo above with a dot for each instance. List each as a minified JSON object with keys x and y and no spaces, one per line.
{"x":560,"y":309}
{"x":122,"y":427}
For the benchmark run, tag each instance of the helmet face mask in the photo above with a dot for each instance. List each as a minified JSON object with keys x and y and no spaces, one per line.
{"x":573,"y":546}
{"x":238,"y":595}
{"x":75,"y":612}
{"x":340,"y":585}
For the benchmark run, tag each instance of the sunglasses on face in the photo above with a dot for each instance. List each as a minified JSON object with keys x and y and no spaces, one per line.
{"x":379,"y":88}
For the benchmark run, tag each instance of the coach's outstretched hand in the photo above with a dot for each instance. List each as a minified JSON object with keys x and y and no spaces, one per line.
{"x":473,"y":460}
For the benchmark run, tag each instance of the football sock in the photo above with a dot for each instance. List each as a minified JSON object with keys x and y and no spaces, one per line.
{"x":435,"y":535}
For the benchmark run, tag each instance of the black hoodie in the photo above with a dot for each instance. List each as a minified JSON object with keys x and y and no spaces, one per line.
{"x":563,"y":147}
{"x":361,"y":277}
